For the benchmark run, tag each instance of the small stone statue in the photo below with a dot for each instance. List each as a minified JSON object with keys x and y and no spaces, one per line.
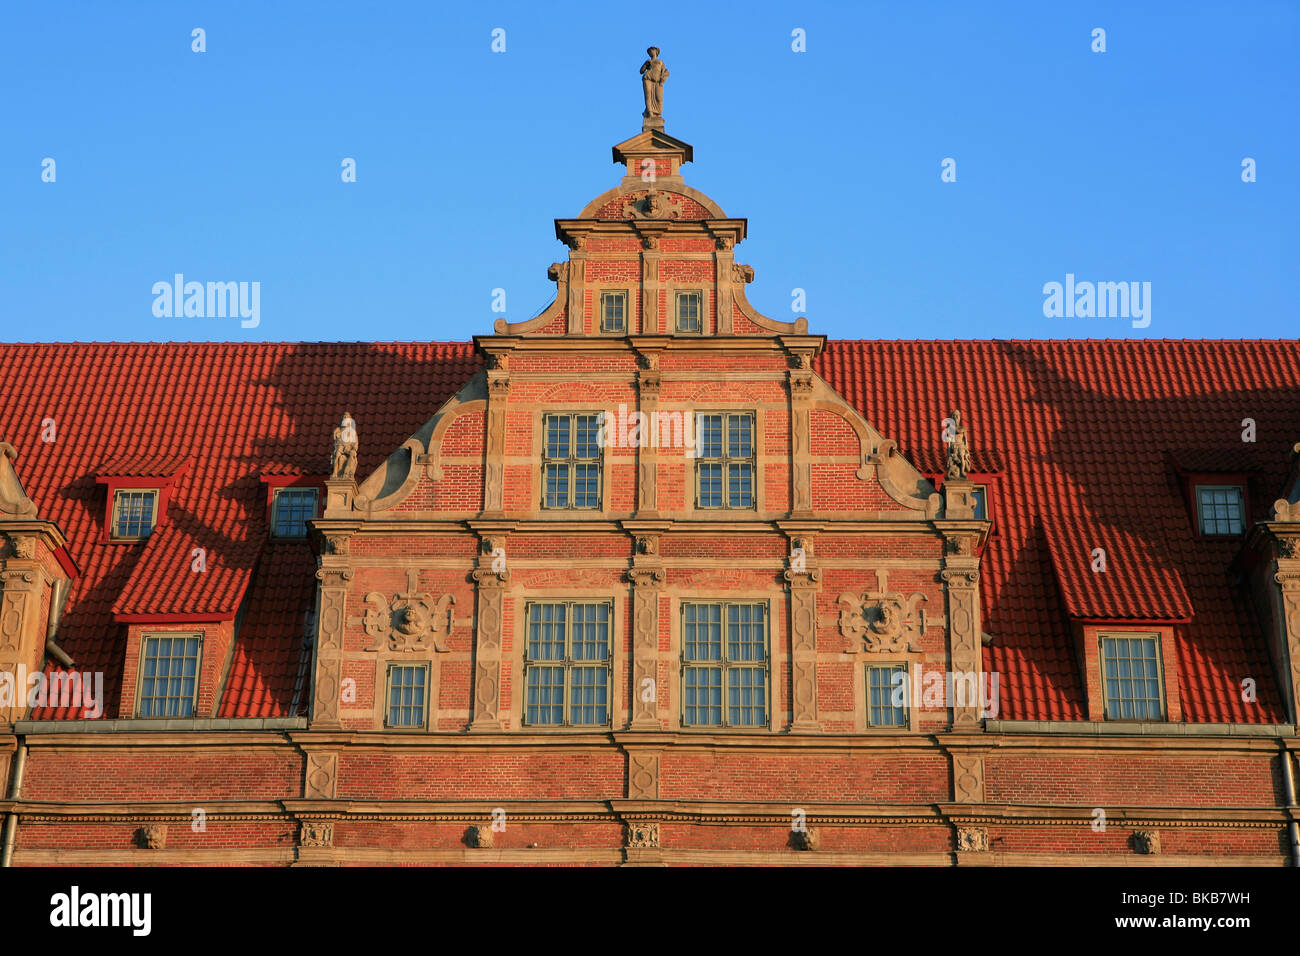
{"x":344,"y":461}
{"x":958,"y":449}
{"x":653,"y":74}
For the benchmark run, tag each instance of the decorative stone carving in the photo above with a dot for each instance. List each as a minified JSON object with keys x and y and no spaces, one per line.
{"x":653,"y":76}
{"x":809,"y":838}
{"x":337,"y":544}
{"x":1288,"y":547}
{"x":314,"y":833}
{"x":14,"y":503}
{"x":725,"y":243}
{"x":653,"y":205}
{"x":343,"y":463}
{"x":962,"y":544}
{"x":972,"y":840}
{"x":411,"y":621}
{"x":24,"y":547}
{"x":1284,"y":510}
{"x":647,"y":545}
{"x":958,"y":448}
{"x":152,"y":836}
{"x":321,"y":776}
{"x":480,"y":836}
{"x":576,"y":242}
{"x":487,"y":652}
{"x":558,"y":272}
{"x":1146,"y":841}
{"x":883,"y":620}
{"x":741,"y":273}
{"x":643,"y":776}
{"x":968,"y":778}
{"x":642,"y":836}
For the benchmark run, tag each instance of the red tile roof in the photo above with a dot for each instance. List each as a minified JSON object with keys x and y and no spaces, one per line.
{"x":1082,"y":434}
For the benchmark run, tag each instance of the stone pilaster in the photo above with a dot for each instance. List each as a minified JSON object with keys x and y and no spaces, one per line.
{"x":724,"y":260}
{"x":650,"y":293}
{"x":489,"y":619}
{"x":334,"y":575}
{"x":26,"y":575}
{"x":647,"y":577}
{"x":498,"y":380}
{"x":801,"y":389}
{"x":961,"y":578}
{"x":1287,"y":578}
{"x":575,"y":307}
{"x":647,"y":455}
{"x":804,"y":578}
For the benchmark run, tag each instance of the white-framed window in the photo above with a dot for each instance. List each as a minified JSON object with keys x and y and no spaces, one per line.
{"x":408,"y":696}
{"x":887,"y":695}
{"x":291,"y":509}
{"x":1131,"y":677}
{"x":724,"y":652}
{"x":135,"y":512}
{"x":1220,"y":509}
{"x":690,"y":311}
{"x":724,"y":466}
{"x":169,"y":675}
{"x":613,"y":312}
{"x":566,"y":664}
{"x":571,"y":461}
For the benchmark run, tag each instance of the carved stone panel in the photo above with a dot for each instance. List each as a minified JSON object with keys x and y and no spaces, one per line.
{"x":314,"y":833}
{"x":803,"y":637}
{"x":410,"y":621}
{"x":152,"y":836}
{"x":646,"y":585}
{"x":1146,"y":841}
{"x":321,"y":776}
{"x":329,"y":647}
{"x":972,"y":840}
{"x":643,"y":776}
{"x":882,"y":621}
{"x":963,"y":633}
{"x":642,"y":835}
{"x":487,"y":651}
{"x":968,"y":778}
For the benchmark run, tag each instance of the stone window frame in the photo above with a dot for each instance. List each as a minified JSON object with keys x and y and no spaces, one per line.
{"x":114,"y":514}
{"x":1239,"y":488}
{"x":676,"y":294}
{"x":913,"y":661}
{"x":771,"y":662}
{"x":275,"y":511}
{"x":1157,"y":639}
{"x":567,"y":663}
{"x":756,"y":424}
{"x":391,"y":665}
{"x":518,"y":599}
{"x":602,"y":506}
{"x":145,"y":638}
{"x":627,"y":311}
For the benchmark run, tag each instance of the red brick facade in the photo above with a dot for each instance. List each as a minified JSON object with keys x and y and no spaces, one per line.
{"x":831,"y":546}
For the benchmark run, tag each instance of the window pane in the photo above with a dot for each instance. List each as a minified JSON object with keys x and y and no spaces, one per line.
{"x":1131,"y":678}
{"x":590,"y":694}
{"x":703,"y":696}
{"x":703,"y":632}
{"x":710,"y":485}
{"x":746,"y":635}
{"x":709,"y":428}
{"x":546,"y":632}
{"x":169,"y":677}
{"x":294,"y":507}
{"x":586,"y":486}
{"x":557,"y":436}
{"x":613,"y":310}
{"x":406,"y":686}
{"x":134,"y":514}
{"x":740,"y":436}
{"x":884,"y":706}
{"x":746,"y":697}
{"x":557,"y":486}
{"x":688,"y":311}
{"x":587,"y":429}
{"x":740,"y":485}
{"x":1221,"y":509}
{"x":545,"y":688}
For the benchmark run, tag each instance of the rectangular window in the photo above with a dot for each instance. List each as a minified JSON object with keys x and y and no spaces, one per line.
{"x":724,"y":467}
{"x":1221,"y":509}
{"x":291,"y":509}
{"x":613,"y":311}
{"x":736,"y":661}
{"x":980,"y":498}
{"x":169,"y":676}
{"x":566,"y":665}
{"x":407,"y":684}
{"x":1131,"y":677}
{"x":690,"y":307}
{"x":571,"y":467}
{"x":134,"y":513}
{"x":886,"y":687}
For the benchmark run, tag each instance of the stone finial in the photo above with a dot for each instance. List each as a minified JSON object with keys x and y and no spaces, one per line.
{"x":343,"y":463}
{"x":958,"y":448}
{"x":1284,"y":510}
{"x":653,"y":75}
{"x":14,"y":502}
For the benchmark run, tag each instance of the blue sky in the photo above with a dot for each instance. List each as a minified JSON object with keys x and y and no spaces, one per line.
{"x":225,"y":165}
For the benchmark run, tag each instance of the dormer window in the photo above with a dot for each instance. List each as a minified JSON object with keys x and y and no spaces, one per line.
{"x":980,"y":498}
{"x":1220,"y":510}
{"x":291,"y":509}
{"x":689,"y":310}
{"x":135,"y":512}
{"x":1131,"y":678}
{"x":613,"y":312}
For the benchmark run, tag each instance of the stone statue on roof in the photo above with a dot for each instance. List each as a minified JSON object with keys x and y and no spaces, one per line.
{"x":653,"y":74}
{"x":344,"y":461}
{"x":14,"y":502}
{"x":958,"y":448}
